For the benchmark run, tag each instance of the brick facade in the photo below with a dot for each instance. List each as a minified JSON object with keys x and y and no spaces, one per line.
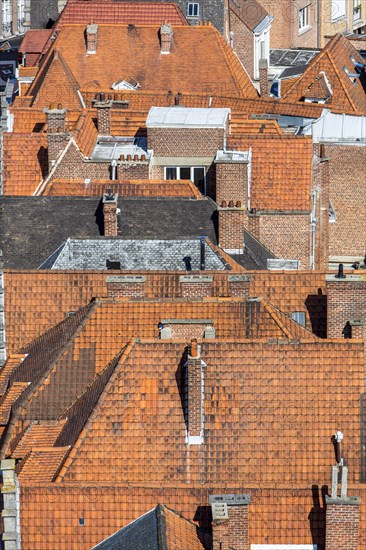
{"x":243,"y":43}
{"x":119,"y":286}
{"x":110,"y":215}
{"x":231,"y":227}
{"x":104,"y":117}
{"x":196,"y":286}
{"x":185,"y":142}
{"x":186,"y":331}
{"x":56,"y":143}
{"x":194,"y":391}
{"x":231,"y":182}
{"x":232,"y":533}
{"x":347,"y":194}
{"x":342,"y":524}
{"x":346,"y":302}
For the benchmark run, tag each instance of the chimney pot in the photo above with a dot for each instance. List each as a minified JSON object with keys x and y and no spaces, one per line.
{"x":194,"y":348}
{"x":340,"y":274}
{"x":223,"y":204}
{"x":143,"y":158}
{"x":59,"y":106}
{"x":135,"y":157}
{"x":51,"y":106}
{"x":231,"y":204}
{"x":121,"y":157}
{"x":59,"y":130}
{"x":238,"y":204}
{"x":129,"y":158}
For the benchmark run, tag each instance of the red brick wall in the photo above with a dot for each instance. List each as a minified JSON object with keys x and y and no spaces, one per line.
{"x":286,"y":236}
{"x":243,"y":43}
{"x":196,"y":289}
{"x":347,"y":236}
{"x":187,"y":331}
{"x":346,"y":301}
{"x":56,"y":142}
{"x":232,"y":533}
{"x":194,"y":396}
{"x":117,"y":290}
{"x":231,"y":228}
{"x":321,"y":177}
{"x":110,"y":219}
{"x":281,"y":25}
{"x":342,"y":527}
{"x":185,"y":142}
{"x":231,"y":182}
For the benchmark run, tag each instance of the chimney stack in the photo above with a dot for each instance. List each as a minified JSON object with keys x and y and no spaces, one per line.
{"x":166,"y":38}
{"x":103,"y":106}
{"x":230,"y":521}
{"x":231,"y":227}
{"x":110,"y":214}
{"x":195,"y":395}
{"x":263,"y":77}
{"x":91,"y":38}
{"x":57,"y":137}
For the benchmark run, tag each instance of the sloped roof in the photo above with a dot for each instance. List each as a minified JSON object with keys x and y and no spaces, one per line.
{"x":42,"y":464}
{"x":38,"y":435}
{"x":65,"y":217}
{"x":218,"y":69}
{"x":126,"y":188}
{"x":281,"y":170}
{"x":250,"y":12}
{"x":34,"y":40}
{"x":334,"y":61}
{"x":159,"y":529}
{"x":111,"y":11}
{"x":25,"y":162}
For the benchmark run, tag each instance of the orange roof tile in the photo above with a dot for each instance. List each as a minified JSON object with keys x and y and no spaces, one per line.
{"x":250,"y":12}
{"x":281,"y":170}
{"x":25,"y":162}
{"x":8,"y":400}
{"x":34,"y":40}
{"x":85,"y":133}
{"x":130,"y":188}
{"x":38,"y":434}
{"x":12,"y":362}
{"x":347,"y":96}
{"x":219,"y":70}
{"x":42,"y":464}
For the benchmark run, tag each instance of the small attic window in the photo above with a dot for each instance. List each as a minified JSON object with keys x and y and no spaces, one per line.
{"x":70,"y":314}
{"x":193,"y":9}
{"x":352,"y":76}
{"x":82,"y":521}
{"x":299,"y":317}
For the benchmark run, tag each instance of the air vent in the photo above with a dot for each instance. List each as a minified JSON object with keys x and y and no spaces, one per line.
{"x":219,"y":511}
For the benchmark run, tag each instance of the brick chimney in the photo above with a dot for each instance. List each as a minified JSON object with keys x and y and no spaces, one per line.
{"x":195,"y":395}
{"x":110,"y":214}
{"x":346,"y":305}
{"x":166,"y":38}
{"x":91,"y":34}
{"x":230,"y":522}
{"x":57,"y":137}
{"x":103,"y":105}
{"x":231,"y":227}
{"x":263,"y":77}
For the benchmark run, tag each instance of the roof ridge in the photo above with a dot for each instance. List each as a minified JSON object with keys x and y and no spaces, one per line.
{"x":128,"y":348}
{"x":161,"y":527}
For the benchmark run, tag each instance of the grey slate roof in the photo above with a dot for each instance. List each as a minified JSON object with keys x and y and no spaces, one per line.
{"x":132,"y":255}
{"x":32,"y":228}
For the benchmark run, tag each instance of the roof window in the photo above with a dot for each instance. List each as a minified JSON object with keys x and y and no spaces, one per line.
{"x":193,"y":9}
{"x":299,"y":317}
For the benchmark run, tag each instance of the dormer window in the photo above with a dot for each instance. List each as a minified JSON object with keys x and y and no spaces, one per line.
{"x":193,"y":9}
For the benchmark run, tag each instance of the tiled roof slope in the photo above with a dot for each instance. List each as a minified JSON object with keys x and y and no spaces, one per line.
{"x":281,"y":170}
{"x":251,"y":12}
{"x":347,"y":96}
{"x":159,"y":529}
{"x":111,"y":11}
{"x":42,"y":464}
{"x":85,"y":133}
{"x":255,"y":392}
{"x":47,"y":297}
{"x":219,"y":70}
{"x":81,"y":217}
{"x":127,"y":188}
{"x":34,"y":40}
{"x":38,"y":434}
{"x":25,"y":162}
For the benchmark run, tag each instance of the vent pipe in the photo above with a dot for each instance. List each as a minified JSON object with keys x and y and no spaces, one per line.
{"x":202,"y":254}
{"x":340,"y":274}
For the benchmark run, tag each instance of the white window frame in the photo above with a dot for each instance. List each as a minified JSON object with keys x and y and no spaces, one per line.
{"x":21,"y":16}
{"x":193,"y":6}
{"x":304,"y":18}
{"x":299,"y":317}
{"x":339,"y":9}
{"x":357,"y":9}
{"x":7,"y":18}
{"x":192,"y":168}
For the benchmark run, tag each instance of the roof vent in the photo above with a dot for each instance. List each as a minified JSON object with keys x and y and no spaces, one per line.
{"x":219,"y":511}
{"x":340,"y":274}
{"x":110,"y":264}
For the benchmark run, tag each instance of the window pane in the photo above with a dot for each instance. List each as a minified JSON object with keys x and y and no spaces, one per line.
{"x":170,"y":173}
{"x":199,"y":178}
{"x":185,"y":173}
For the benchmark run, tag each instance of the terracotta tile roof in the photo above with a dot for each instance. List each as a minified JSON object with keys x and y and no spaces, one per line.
{"x":130,"y":188}
{"x":12,"y":362}
{"x":161,"y":528}
{"x":241,"y":125}
{"x":347,"y":96}
{"x":219,"y":70}
{"x":131,"y":13}
{"x":281,"y":170}
{"x":251,"y":12}
{"x":42,"y":464}
{"x":55,"y":83}
{"x":125,"y":440}
{"x":34,"y":40}
{"x":28,"y":120}
{"x":25,"y":162}
{"x":27,"y":71}
{"x":8,"y":400}
{"x":49,"y":296}
{"x":38,"y":434}
{"x":85,"y":133}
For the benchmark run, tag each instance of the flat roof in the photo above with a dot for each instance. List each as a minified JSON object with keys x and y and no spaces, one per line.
{"x":185,"y":117}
